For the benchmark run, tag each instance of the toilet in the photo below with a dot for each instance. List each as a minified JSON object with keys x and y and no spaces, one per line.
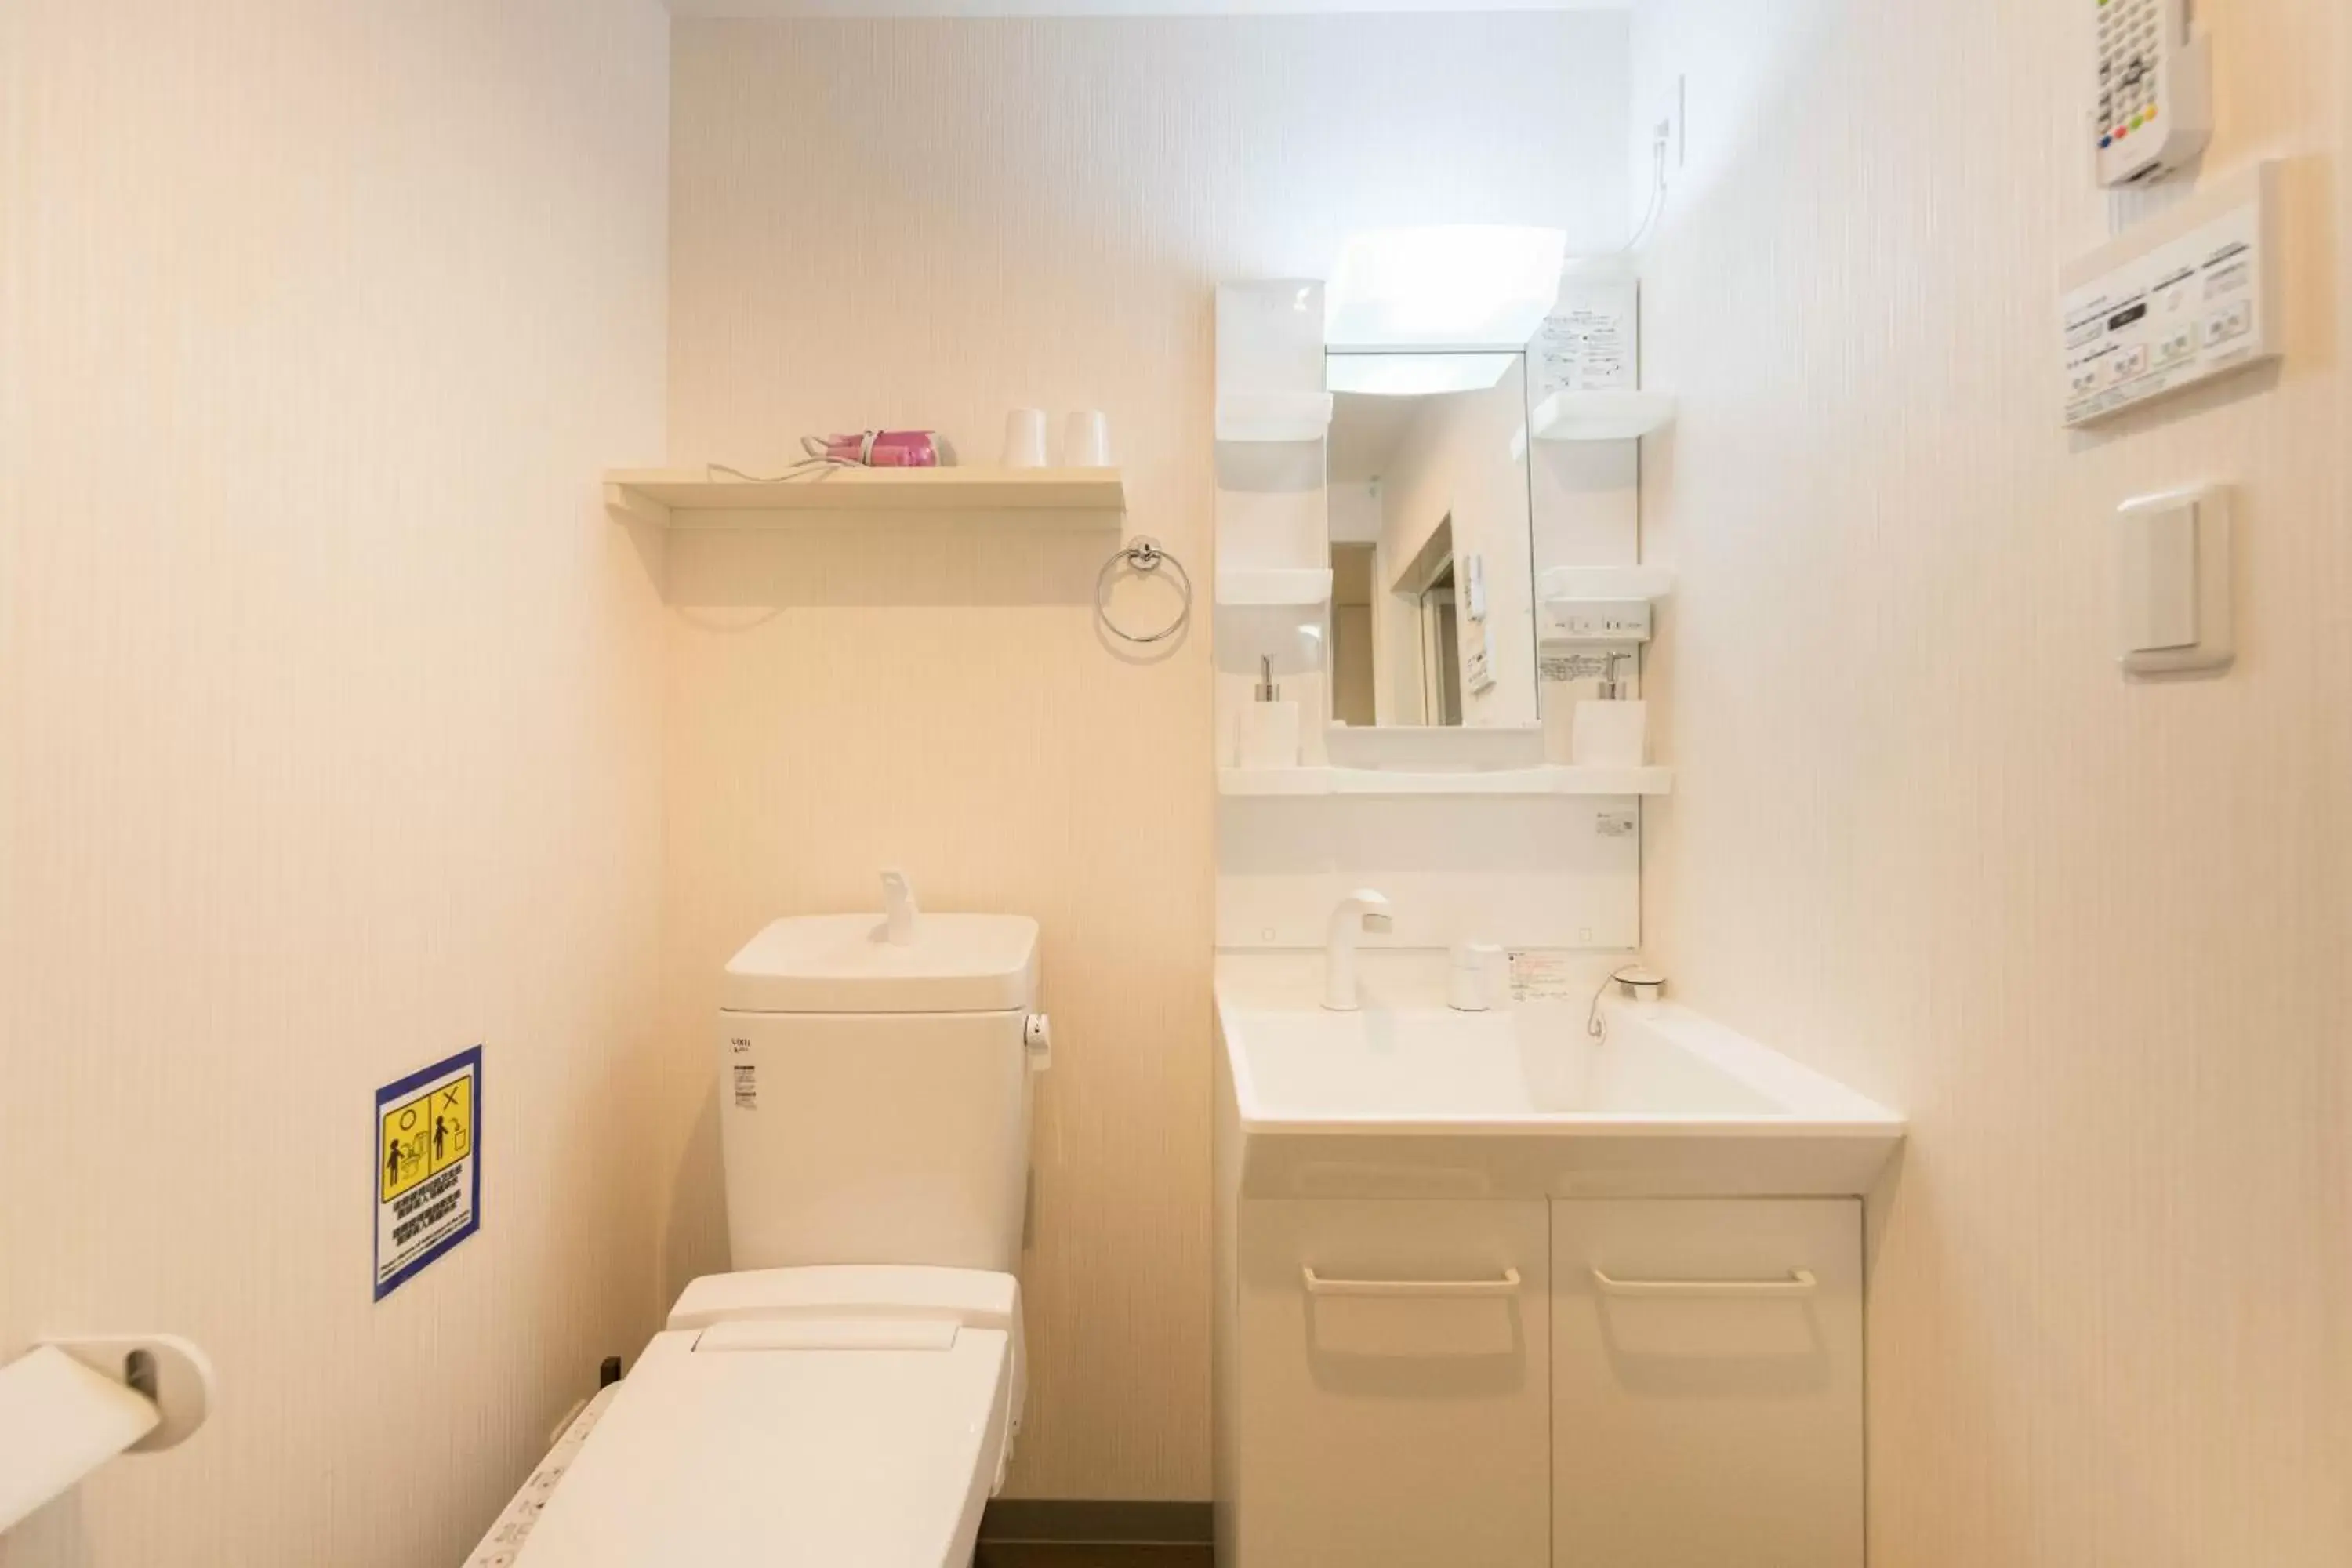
{"x":851,"y":1394}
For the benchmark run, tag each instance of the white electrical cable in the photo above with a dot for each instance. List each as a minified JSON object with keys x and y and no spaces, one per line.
{"x":1649,"y":223}
{"x":814,"y":466}
{"x":1657,"y":195}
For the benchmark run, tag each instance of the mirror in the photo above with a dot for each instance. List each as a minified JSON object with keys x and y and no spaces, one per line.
{"x":1432,"y":557}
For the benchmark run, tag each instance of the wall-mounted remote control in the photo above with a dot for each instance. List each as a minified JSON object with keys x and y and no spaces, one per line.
{"x":2152,"y":93}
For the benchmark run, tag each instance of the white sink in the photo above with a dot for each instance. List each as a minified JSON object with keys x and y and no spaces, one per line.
{"x":1408,"y":1098}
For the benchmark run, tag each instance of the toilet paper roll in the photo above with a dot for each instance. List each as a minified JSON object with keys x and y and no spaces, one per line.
{"x":58,"y":1421}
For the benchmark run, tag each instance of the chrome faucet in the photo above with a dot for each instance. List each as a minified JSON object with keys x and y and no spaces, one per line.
{"x":1359,"y":912}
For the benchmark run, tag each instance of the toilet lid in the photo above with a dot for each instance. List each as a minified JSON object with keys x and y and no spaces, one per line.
{"x":804,"y":1443}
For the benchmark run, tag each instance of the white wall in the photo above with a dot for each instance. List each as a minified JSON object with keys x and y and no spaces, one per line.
{"x":924,"y":224}
{"x":1355,"y":512}
{"x":2091,"y":936}
{"x":327,"y":695}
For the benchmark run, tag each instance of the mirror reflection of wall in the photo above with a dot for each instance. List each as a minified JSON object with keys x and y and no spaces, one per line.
{"x":1352,"y":634}
{"x":1432,"y":620}
{"x":1429,"y":582}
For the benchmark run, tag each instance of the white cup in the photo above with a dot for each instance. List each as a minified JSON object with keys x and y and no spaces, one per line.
{"x":1085,"y":443}
{"x":1024,"y":438}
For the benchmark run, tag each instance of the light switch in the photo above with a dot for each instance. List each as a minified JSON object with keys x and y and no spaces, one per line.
{"x":2158,"y":571}
{"x":2172,"y":582}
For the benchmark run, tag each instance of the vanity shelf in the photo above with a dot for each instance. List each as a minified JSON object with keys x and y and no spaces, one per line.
{"x":1605,"y":584}
{"x":1299,"y":587}
{"x":654,"y":495}
{"x":1600,"y":416}
{"x":1274,"y":416}
{"x":1380,"y":782}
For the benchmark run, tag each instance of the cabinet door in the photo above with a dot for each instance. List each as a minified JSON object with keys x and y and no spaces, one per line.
{"x":1394,"y":1384}
{"x":1707,"y":1376}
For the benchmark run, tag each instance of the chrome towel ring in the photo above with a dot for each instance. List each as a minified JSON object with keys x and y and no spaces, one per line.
{"x":1143,"y":556}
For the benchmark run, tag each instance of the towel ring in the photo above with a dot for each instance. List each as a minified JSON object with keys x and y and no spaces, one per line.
{"x":1142,"y":555}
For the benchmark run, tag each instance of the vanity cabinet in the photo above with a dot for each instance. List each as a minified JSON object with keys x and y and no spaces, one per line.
{"x":1395,"y":1399}
{"x":1522,"y":1383}
{"x":1706,"y":1382}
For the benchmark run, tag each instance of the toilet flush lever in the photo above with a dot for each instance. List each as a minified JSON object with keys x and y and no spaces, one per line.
{"x":1037,"y":1034}
{"x":898,"y":908}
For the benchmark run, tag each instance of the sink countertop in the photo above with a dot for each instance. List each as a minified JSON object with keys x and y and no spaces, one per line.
{"x":1406,"y":1097}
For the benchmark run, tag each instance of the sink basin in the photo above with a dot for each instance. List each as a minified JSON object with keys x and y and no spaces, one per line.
{"x":1504,"y":1072}
{"x":1410,"y":1099}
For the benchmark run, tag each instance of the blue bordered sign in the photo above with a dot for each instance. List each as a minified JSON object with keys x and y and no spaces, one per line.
{"x":428,"y":1167}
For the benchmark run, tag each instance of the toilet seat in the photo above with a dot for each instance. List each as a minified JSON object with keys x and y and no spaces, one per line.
{"x":799,"y":1417}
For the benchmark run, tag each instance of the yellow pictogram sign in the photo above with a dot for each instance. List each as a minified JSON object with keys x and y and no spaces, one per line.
{"x":428,"y":1172}
{"x":405,"y":1144}
{"x":451,"y":1130}
{"x":429,"y":1134}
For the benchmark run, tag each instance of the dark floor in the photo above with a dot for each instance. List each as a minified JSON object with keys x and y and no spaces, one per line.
{"x":1065,"y":1554}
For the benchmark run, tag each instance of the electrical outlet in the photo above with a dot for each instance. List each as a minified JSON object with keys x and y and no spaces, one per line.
{"x":1575,"y":621}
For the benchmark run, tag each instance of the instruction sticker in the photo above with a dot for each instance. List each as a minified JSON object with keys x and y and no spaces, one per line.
{"x":1543,"y":976}
{"x":428,"y":1167}
{"x":747,"y":1076}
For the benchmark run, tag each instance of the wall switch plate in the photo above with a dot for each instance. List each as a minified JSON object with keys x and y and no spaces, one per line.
{"x":2172,"y":582}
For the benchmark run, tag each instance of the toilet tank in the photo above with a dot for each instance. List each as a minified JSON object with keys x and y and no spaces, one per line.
{"x":874,"y":1097}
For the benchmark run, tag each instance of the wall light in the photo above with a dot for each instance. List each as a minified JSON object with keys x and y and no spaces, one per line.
{"x":1457,"y":285}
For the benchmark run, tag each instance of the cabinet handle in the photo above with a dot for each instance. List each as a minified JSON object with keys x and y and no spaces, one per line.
{"x":1508,"y":1285}
{"x":1799,"y":1282}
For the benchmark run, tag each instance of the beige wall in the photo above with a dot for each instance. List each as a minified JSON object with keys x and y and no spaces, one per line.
{"x":924,"y":224}
{"x":327,"y":695}
{"x":2092,"y":936}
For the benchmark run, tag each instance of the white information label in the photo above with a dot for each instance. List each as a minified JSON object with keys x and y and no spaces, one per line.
{"x":1586,"y":344}
{"x":744,"y":1074}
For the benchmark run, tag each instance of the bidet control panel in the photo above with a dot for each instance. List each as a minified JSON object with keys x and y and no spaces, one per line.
{"x":2188,"y":296}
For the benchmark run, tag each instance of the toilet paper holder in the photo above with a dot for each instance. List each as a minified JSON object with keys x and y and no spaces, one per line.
{"x":171,"y":1373}
{"x":68,"y":1405}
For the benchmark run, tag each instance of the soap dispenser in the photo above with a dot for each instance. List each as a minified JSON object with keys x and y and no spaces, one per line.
{"x":1269,"y":726}
{"x":1613,"y":732}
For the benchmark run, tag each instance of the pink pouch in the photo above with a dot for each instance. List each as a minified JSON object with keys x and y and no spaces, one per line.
{"x":877,"y":449}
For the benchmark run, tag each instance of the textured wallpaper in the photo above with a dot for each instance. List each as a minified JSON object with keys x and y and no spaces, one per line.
{"x":329,"y":702}
{"x":2092,"y":936}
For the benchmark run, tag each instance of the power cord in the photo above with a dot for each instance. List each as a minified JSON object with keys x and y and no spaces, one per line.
{"x":1658,"y":207}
